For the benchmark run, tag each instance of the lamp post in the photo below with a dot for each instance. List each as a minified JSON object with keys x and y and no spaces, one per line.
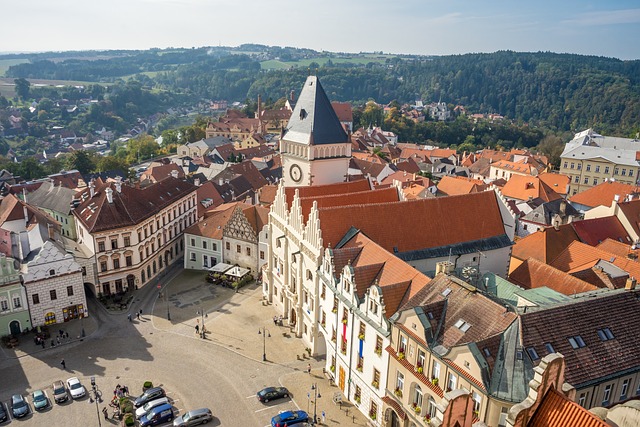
{"x":202,"y":315}
{"x":264,"y":333}
{"x":316,"y":396}
{"x":96,"y":398}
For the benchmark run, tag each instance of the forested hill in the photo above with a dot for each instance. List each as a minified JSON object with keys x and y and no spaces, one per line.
{"x":561,"y":91}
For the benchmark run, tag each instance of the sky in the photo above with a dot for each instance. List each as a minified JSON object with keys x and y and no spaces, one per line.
{"x":430,"y":27}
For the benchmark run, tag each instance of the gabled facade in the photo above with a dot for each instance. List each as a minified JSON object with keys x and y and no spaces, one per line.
{"x":14,"y":309}
{"x":204,"y":241}
{"x":57,"y":201}
{"x":241,"y":234}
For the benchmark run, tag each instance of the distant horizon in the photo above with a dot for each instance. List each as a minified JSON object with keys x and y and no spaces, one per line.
{"x":302,"y":47}
{"x":417,"y":27}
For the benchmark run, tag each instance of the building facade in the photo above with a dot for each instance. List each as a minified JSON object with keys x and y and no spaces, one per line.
{"x":14,"y":309}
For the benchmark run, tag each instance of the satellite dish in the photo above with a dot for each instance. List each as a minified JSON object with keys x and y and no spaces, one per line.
{"x":469,"y":271}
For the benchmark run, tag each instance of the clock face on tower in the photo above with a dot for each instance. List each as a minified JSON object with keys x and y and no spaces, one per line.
{"x":295,"y":173}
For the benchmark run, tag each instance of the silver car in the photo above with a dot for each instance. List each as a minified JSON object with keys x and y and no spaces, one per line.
{"x":193,"y":418}
{"x":149,"y":406}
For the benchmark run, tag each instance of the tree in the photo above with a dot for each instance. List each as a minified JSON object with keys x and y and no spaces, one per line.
{"x":22,"y":88}
{"x":552,"y":146}
{"x":83,"y":161}
{"x":109,"y":163}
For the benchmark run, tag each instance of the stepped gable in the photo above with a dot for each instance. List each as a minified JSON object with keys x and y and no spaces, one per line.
{"x":418,"y":224}
{"x":327,"y":190}
{"x":398,"y":281}
{"x":314,"y":121}
{"x":485,"y":317}
{"x":584,"y":317}
{"x":130,"y":206}
{"x":536,"y":274}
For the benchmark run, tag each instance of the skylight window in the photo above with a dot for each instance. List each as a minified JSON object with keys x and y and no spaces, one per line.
{"x":462,"y":325}
{"x":533,"y":354}
{"x":576,"y":342}
{"x":446,"y":292}
{"x":549,"y":348}
{"x":605,"y":334}
{"x":459,"y":323}
{"x":430,"y":315}
{"x":486,"y":352}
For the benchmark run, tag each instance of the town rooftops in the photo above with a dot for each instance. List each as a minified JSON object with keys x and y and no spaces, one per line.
{"x":596,"y":230}
{"x":523,"y":187}
{"x":50,"y":196}
{"x":130,"y":206}
{"x":546,"y":244}
{"x":314,"y":121}
{"x":555,"y":181}
{"x":453,"y":186}
{"x":327,"y":190}
{"x":535,"y":274}
{"x":604,"y":194}
{"x":588,"y":145}
{"x":214,"y":221}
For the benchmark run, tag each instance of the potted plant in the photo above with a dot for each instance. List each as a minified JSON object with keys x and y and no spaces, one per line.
{"x":419,"y":369}
{"x":434,"y":381}
{"x":397,"y":392}
{"x":372,"y":415}
{"x":147,"y":385}
{"x":334,"y":310}
{"x":417,"y":409}
{"x":401,"y":355}
{"x":375,"y":383}
{"x":361,"y":337}
{"x":344,"y":320}
{"x":332,"y":368}
{"x":427,"y":418}
{"x":357,"y":399}
{"x":379,"y":351}
{"x":359,"y":367}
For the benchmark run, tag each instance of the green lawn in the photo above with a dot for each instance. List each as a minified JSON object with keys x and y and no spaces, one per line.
{"x":6,"y":63}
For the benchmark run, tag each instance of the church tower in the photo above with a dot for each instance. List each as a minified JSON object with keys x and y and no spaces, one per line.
{"x":314,"y":147}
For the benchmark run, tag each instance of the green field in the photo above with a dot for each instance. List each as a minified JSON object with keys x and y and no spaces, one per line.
{"x":362,"y":60}
{"x":6,"y":63}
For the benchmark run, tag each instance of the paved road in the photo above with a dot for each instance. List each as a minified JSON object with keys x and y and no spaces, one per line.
{"x":194,"y":372}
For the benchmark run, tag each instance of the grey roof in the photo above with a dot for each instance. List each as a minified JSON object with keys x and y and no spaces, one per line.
{"x":544,"y":213}
{"x":216,"y":141}
{"x":55,"y":198}
{"x":589,"y":145}
{"x":482,"y":245}
{"x":511,"y":373}
{"x":314,"y":121}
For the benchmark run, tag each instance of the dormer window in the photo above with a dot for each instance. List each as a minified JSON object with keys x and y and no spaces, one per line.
{"x":576,"y":342}
{"x":52,"y":272}
{"x":605,"y":334}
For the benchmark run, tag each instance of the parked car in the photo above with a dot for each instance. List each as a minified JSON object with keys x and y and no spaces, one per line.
{"x":76,"y":389}
{"x":149,"y":406}
{"x":158,"y":415}
{"x":19,"y":406}
{"x":40,"y":400}
{"x":3,"y":413}
{"x":60,"y":392}
{"x":148,"y":396}
{"x":194,"y":417}
{"x":289,"y":418}
{"x":272,"y":393}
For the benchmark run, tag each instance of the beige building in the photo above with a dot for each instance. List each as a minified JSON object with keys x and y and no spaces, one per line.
{"x":134,"y":233}
{"x":590,"y":159}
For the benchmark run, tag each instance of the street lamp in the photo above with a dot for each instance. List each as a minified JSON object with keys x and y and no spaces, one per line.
{"x":264,"y":333}
{"x":203,"y":315}
{"x":316,"y":396}
{"x":96,"y":398}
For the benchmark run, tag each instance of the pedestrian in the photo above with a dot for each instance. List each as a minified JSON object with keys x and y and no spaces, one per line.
{"x":63,"y":363}
{"x":197,"y":329}
{"x":126,"y":390}
{"x":66,"y":335}
{"x":324,"y":418}
{"x":275,"y":320}
{"x":129,"y":317}
{"x":140,"y":312}
{"x":106,"y":413}
{"x":309,"y":368}
{"x":138,"y":315}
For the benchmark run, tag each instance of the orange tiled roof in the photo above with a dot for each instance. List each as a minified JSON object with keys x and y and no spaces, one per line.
{"x":523,"y":187}
{"x":617,"y":248}
{"x":603,"y":194}
{"x":535,"y":274}
{"x":520,"y":167}
{"x":578,"y":256}
{"x":453,"y":186}
{"x":268,"y":194}
{"x":368,"y":197}
{"x":544,"y":245}
{"x":556,"y":181}
{"x":595,"y":230}
{"x":208,"y":198}
{"x":214,"y":222}
{"x":327,"y":190}
{"x":558,"y":411}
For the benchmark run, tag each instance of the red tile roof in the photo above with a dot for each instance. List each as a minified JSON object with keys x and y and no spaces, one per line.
{"x":247,"y":169}
{"x":579,"y":256}
{"x":208,"y":198}
{"x":617,"y":248}
{"x":545,"y":245}
{"x":368,"y":197}
{"x":326,"y":190}
{"x":442,"y":221}
{"x":536,"y":274}
{"x":343,"y":111}
{"x":603,"y":194}
{"x":452,"y":186}
{"x":214,"y":221}
{"x":556,"y":181}
{"x":596,"y":230}
{"x":631,"y":210}
{"x":160,"y":172}
{"x":558,"y":411}
{"x":523,"y":187}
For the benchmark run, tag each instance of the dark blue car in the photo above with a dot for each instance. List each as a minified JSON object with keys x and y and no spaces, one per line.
{"x":289,"y":418}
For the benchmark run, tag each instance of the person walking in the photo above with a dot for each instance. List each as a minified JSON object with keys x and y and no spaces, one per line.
{"x":138,"y":315}
{"x":129,"y":317}
{"x":197,"y":329}
{"x":309,"y":368}
{"x":63,"y":363}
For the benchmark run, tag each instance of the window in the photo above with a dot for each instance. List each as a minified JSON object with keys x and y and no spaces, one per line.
{"x":228,"y":246}
{"x":502,"y":422}
{"x":624,"y":172}
{"x":451,"y":384}
{"x":127,"y":260}
{"x":582,"y":399}
{"x":624,"y":389}
{"x":103,"y":265}
{"x":435,"y":372}
{"x":576,"y":179}
{"x":421,"y":359}
{"x":114,"y":244}
{"x":532,"y":353}
{"x":579,"y":166}
{"x":100,"y":246}
{"x":323,"y":291}
{"x":605,"y":334}
{"x":586,"y":179}
{"x":4,"y":304}
{"x":576,"y":342}
{"x":363,"y":330}
{"x":630,"y":172}
{"x":588,"y":168}
{"x":205,"y":261}
{"x":193,"y":242}
{"x":566,"y":164}
{"x":16,"y":302}
{"x":69,"y":291}
{"x":378,"y":345}
{"x":486,"y":352}
{"x":373,"y":306}
{"x":417,"y":399}
{"x":248,"y":251}
{"x":204,"y":244}
{"x":607,"y":395}
{"x":376,"y":378}
{"x":403,"y":344}
{"x":262,"y":255}
{"x":238,"y":249}
{"x":399,"y":381}
{"x":192,"y":256}
{"x":373,"y":411}
{"x":139,"y":236}
{"x":127,"y":240}
{"x":549,"y":348}
{"x":116,"y":263}
{"x":477,"y":401}
{"x":357,"y":396}
{"x":215,"y":246}
{"x":573,"y":165}
{"x":53,"y":295}
{"x":615,"y":171}
{"x":52,"y":272}
{"x":606,"y":169}
{"x":598,"y":168}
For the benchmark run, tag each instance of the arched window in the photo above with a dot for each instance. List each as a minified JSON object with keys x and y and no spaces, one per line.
{"x":417,"y":397}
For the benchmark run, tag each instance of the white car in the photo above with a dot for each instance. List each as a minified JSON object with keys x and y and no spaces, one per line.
{"x":149,"y":406}
{"x":76,"y":389}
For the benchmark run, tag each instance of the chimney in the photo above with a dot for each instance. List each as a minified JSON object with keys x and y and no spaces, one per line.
{"x":616,"y":198}
{"x":445,"y":267}
{"x":220,"y":181}
{"x":92,"y":188}
{"x":196,"y":182}
{"x":631,"y":284}
{"x":563,"y":207}
{"x":119,"y":184}
{"x":174,"y":173}
{"x":292,"y":96}
{"x":109,"y":193}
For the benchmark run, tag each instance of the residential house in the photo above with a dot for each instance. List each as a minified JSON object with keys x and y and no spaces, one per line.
{"x":549,"y":214}
{"x":628,"y":212}
{"x":134,"y":233}
{"x":242,"y":234}
{"x":556,"y":181}
{"x":58,"y":202}
{"x":377,"y":171}
{"x":204,"y":239}
{"x":157,"y":173}
{"x":345,"y":114}
{"x":14,"y":308}
{"x":234,"y":126}
{"x":589,"y":159}
{"x":201,"y":148}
